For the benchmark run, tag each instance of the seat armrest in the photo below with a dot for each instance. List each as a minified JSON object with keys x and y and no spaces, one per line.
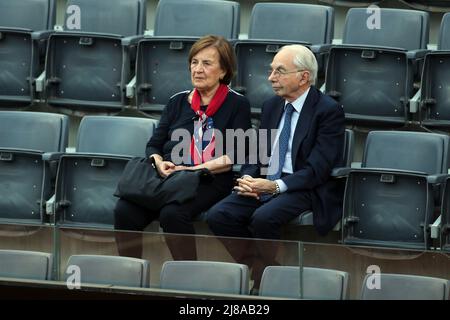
{"x":435,"y":228}
{"x":437,"y":178}
{"x":340,"y":172}
{"x":50,"y":208}
{"x":41,"y":35}
{"x":131,"y":88}
{"x":417,"y":54}
{"x":320,"y":48}
{"x":414,"y":102}
{"x":131,"y":40}
{"x":52,"y":156}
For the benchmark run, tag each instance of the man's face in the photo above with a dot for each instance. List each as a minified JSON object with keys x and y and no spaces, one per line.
{"x":288,"y":81}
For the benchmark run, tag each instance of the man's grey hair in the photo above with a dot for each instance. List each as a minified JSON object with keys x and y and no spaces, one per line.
{"x":304,"y":59}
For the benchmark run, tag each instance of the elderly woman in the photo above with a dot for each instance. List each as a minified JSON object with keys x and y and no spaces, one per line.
{"x":210,"y":105}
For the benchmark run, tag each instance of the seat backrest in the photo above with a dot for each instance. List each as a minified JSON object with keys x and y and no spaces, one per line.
{"x":406,"y":287}
{"x":322,"y":284}
{"x":121,"y":17}
{"x":46,"y":132}
{"x":444,"y":33}
{"x":28,"y":14}
{"x":114,"y":135}
{"x":413,"y":151}
{"x":196,"y":18}
{"x":111,"y":270}
{"x":26,"y":264}
{"x":301,"y":22}
{"x":399,"y":28}
{"x":205,"y":276}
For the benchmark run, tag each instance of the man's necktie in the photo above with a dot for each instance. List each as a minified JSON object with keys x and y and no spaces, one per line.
{"x":283,"y":143}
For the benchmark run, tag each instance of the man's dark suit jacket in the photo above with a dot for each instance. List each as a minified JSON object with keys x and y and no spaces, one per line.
{"x":317,"y":148}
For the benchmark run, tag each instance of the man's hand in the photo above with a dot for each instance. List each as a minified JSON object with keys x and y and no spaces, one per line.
{"x":253,"y":187}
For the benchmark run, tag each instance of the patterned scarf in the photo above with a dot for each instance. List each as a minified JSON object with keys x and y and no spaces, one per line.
{"x":203,"y":146}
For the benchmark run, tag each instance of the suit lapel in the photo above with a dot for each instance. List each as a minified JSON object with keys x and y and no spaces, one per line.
{"x":304,"y":122}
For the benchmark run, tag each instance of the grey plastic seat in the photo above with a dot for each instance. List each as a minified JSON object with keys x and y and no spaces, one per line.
{"x":317,"y":284}
{"x":26,"y":264}
{"x":111,"y":270}
{"x":429,"y":5}
{"x":445,"y":218}
{"x":162,"y":61}
{"x":372,"y":73}
{"x":350,"y":3}
{"x":28,"y":143}
{"x":87,"y":179}
{"x":390,"y":200}
{"x":435,"y":99}
{"x":205,"y":276}
{"x":24,"y":29}
{"x":406,"y":287}
{"x":311,"y":25}
{"x":89,"y":64}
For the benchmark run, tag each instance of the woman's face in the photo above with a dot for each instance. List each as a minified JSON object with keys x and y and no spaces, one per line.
{"x":206,"y":71}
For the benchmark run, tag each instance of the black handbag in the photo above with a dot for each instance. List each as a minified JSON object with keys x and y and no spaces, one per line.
{"x":141,"y":184}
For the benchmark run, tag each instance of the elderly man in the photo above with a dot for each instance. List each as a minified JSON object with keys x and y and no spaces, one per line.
{"x":308,"y":144}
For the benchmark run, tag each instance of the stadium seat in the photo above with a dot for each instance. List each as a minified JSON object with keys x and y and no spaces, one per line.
{"x":29,"y":143}
{"x":205,"y":276}
{"x":435,"y":96}
{"x":89,"y":64}
{"x":162,"y":61}
{"x":350,"y":3}
{"x":24,"y":29}
{"x":372,"y":73}
{"x":390,"y":200}
{"x":311,"y":25}
{"x":429,"y":5}
{"x":110,"y":270}
{"x":405,"y":287}
{"x":317,"y":284}
{"x":87,"y":179}
{"x":26,"y":264}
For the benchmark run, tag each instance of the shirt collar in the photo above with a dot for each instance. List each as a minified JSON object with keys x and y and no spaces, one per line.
{"x":298,"y":103}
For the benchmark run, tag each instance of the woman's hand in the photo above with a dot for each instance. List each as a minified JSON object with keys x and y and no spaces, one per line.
{"x":164,"y":168}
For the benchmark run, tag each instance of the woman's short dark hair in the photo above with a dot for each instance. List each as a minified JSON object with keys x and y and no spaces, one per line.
{"x":226,"y":54}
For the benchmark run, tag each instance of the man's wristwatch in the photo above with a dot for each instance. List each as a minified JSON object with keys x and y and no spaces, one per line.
{"x":277,"y":189}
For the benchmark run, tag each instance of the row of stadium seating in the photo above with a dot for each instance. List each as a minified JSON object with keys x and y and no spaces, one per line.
{"x":107,"y":64}
{"x":220,"y":277}
{"x":429,"y":5}
{"x":393,"y":199}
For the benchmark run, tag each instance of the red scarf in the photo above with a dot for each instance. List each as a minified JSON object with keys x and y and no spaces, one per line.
{"x":201,"y":153}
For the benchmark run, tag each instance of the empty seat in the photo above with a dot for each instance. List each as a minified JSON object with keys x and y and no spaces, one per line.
{"x":311,"y":25}
{"x":24,"y":29}
{"x":350,"y":3}
{"x":318,"y":284}
{"x":110,"y":270}
{"x":435,"y":96}
{"x":28,"y":143}
{"x":429,"y":5}
{"x":372,"y":73}
{"x":205,"y":276}
{"x":162,"y":61}
{"x":89,"y":64}
{"x":390,"y":200}
{"x":87,"y":179}
{"x":26,"y":264}
{"x":405,"y":287}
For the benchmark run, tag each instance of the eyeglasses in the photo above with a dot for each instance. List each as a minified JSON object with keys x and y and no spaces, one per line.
{"x":278,"y":73}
